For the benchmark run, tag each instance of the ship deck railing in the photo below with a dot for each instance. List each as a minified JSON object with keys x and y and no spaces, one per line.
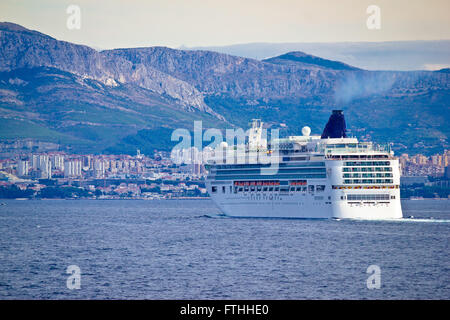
{"x":364,"y":149}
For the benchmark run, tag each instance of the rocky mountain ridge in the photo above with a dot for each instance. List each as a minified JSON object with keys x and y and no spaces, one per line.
{"x":39,"y":73}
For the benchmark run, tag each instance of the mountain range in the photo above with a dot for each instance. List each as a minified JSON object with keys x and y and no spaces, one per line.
{"x":385,"y":55}
{"x":115,"y":101}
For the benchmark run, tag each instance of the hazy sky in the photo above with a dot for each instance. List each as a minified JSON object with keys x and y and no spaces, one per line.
{"x":119,"y":23}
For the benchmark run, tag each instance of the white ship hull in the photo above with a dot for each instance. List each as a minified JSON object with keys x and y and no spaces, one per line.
{"x":306,"y":206}
{"x":312,"y":177}
{"x":334,"y":200}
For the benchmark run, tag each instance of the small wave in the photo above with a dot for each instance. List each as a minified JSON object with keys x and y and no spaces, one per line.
{"x":407,"y":219}
{"x":428,"y":220}
{"x":411,"y":220}
{"x":213,"y":216}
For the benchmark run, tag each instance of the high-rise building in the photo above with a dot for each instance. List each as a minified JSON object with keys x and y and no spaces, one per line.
{"x":87,"y":163}
{"x":46,"y":169}
{"x":72,"y":169}
{"x":57,"y":161}
{"x":113,"y":166}
{"x":99,"y":168}
{"x":437,"y":160}
{"x":41,"y":164}
{"x":35,"y":161}
{"x":23,"y":168}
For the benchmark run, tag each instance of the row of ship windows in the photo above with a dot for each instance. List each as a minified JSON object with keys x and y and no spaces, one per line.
{"x":356,"y":157}
{"x":259,"y":166}
{"x":277,"y":176}
{"x":367,"y":175}
{"x":310,"y":188}
{"x":319,"y":188}
{"x":351,"y":181}
{"x":366,"y":163}
{"x":369,"y":197}
{"x":275,"y":170}
{"x":377,"y":169}
{"x":366,"y":187}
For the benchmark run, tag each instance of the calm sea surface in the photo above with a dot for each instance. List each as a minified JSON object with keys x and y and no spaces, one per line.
{"x":131,"y":249}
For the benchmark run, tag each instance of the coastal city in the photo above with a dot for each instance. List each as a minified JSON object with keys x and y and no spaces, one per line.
{"x":46,"y":173}
{"x":31,"y":169}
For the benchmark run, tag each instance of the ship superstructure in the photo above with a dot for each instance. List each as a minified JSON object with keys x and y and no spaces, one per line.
{"x":308,"y":176}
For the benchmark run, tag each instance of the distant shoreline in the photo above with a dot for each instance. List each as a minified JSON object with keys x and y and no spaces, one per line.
{"x":182,"y":198}
{"x":52,"y":199}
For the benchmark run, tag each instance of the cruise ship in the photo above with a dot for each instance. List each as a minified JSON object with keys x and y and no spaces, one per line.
{"x":309,"y":176}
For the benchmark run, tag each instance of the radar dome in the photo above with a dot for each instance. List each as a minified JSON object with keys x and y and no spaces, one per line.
{"x":306,"y":131}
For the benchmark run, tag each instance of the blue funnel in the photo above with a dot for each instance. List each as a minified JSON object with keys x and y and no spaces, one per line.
{"x":335,"y":127}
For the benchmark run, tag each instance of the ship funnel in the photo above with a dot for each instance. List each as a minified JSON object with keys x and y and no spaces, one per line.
{"x":335,"y":127}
